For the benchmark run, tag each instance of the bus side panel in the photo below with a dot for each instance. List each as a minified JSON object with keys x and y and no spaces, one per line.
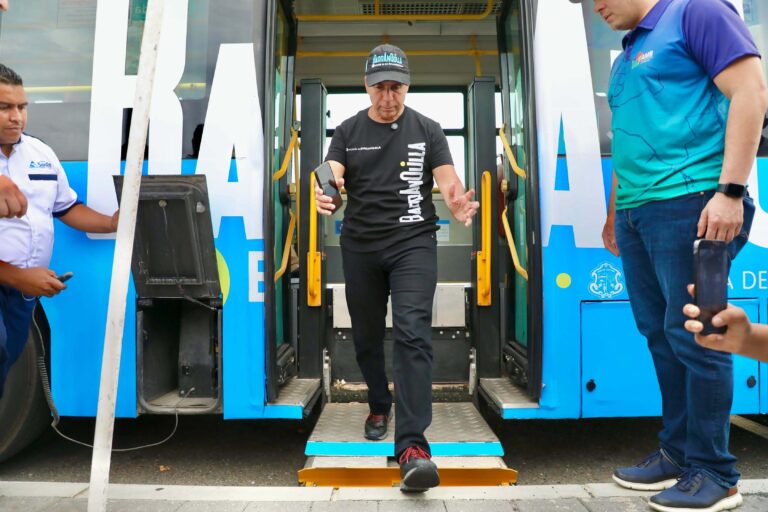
{"x":583,"y":367}
{"x":78,"y":317}
{"x":243,"y":346}
{"x":566,"y":281}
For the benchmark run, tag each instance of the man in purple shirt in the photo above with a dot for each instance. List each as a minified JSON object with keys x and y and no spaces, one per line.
{"x":688,"y":98}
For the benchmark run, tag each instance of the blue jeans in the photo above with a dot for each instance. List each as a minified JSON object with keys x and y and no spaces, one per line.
{"x":15,"y":317}
{"x":656,"y":245}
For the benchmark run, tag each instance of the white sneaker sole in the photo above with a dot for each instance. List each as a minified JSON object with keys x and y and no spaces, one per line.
{"x":655,"y":486}
{"x":728,"y":503}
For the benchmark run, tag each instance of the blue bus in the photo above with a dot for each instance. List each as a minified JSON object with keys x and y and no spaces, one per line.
{"x":237,"y":307}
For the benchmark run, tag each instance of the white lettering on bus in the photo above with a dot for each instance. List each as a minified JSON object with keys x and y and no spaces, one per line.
{"x":564,"y":95}
{"x":751,"y":279}
{"x":233,"y":120}
{"x":255,"y":276}
{"x":113,"y":90}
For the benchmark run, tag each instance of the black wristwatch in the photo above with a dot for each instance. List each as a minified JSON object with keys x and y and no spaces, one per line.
{"x":732,"y":189}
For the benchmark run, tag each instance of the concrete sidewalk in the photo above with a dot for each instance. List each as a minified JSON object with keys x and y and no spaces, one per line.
{"x":66,"y":497}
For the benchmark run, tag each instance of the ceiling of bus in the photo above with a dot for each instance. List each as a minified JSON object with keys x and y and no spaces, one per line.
{"x":432,"y":39}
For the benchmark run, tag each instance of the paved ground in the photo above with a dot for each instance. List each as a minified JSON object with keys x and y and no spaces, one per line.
{"x":70,"y":497}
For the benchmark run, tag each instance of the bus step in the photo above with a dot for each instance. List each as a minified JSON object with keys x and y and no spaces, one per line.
{"x":506,"y":397}
{"x":296,"y":398}
{"x":383,"y":472}
{"x":457,"y":430}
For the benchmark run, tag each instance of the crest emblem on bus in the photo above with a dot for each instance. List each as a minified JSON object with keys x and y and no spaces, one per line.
{"x":606,"y":281}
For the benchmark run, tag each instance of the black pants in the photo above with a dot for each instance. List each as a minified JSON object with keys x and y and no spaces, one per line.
{"x":409,"y":271}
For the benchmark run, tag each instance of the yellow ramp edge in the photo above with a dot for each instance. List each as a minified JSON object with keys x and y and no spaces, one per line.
{"x":390,"y":476}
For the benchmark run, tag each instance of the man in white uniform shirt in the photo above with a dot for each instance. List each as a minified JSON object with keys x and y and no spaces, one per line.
{"x":26,"y":232}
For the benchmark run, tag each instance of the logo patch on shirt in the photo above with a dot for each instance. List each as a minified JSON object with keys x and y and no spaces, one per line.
{"x":641,"y":58}
{"x":364,"y":148}
{"x":40,"y":164}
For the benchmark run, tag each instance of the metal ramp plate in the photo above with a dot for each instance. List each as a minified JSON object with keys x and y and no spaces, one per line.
{"x":294,"y":398}
{"x":457,"y":430}
{"x":507,"y":398}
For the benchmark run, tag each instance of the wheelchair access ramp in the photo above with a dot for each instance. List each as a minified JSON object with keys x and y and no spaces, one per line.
{"x":464,"y":447}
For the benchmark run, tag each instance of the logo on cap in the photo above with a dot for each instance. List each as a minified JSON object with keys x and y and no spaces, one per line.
{"x":390,"y":58}
{"x":387,"y":62}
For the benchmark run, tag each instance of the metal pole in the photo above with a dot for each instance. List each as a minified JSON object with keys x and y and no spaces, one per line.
{"x":121,"y":264}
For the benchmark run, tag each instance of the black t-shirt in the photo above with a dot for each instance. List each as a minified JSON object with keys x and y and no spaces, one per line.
{"x":388,"y":177}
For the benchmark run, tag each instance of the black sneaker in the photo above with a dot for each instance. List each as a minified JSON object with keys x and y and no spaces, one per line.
{"x":376,"y":426}
{"x":417,"y":472}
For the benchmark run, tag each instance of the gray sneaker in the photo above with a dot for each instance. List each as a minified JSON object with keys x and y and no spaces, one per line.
{"x":417,"y":472}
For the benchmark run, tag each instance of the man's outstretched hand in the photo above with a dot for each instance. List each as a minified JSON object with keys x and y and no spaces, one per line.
{"x":461,"y":205}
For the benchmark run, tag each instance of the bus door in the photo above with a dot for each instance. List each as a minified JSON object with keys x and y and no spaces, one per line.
{"x":519,"y":250}
{"x":292,"y":375}
{"x":338,"y":453}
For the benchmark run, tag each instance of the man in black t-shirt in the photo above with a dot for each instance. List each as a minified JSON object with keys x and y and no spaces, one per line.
{"x":387,"y":155}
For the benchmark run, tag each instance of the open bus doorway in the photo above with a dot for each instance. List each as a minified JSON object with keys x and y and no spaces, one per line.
{"x":468,"y":115}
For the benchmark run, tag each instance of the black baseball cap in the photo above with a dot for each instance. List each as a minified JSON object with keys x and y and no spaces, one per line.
{"x":387,"y":62}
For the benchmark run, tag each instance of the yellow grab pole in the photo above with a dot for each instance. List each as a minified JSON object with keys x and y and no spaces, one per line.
{"x":287,"y":158}
{"x":510,"y":156}
{"x":314,"y":262}
{"x":287,"y":248}
{"x":484,"y":254}
{"x":512,"y":248}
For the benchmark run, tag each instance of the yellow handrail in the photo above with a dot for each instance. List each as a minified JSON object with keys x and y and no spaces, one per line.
{"x":287,"y":158}
{"x":397,"y":17}
{"x":511,"y":157}
{"x":296,"y":186}
{"x":291,"y":151}
{"x":484,"y":254}
{"x":287,"y":248}
{"x":314,"y":297}
{"x":411,"y":53}
{"x":512,"y":248}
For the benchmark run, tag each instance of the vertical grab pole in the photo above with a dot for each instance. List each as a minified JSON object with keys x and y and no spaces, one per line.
{"x":314,"y":261}
{"x":121,"y":264}
{"x":484,"y":254}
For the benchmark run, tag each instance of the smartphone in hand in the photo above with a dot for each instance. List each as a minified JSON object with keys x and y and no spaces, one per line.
{"x":327,"y":181}
{"x":711,"y":265}
{"x":66,"y":276}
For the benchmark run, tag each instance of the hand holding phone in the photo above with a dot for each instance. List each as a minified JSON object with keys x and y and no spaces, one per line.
{"x":711,"y":265}
{"x":66,"y":276}
{"x":327,"y":181}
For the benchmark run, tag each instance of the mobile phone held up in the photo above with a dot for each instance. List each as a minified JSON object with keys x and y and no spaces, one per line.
{"x":711,"y":264}
{"x":327,"y":181}
{"x":66,"y":276}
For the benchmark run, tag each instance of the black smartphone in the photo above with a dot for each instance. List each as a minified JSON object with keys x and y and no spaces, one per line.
{"x":66,"y":276}
{"x":711,"y":264}
{"x":327,"y":181}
